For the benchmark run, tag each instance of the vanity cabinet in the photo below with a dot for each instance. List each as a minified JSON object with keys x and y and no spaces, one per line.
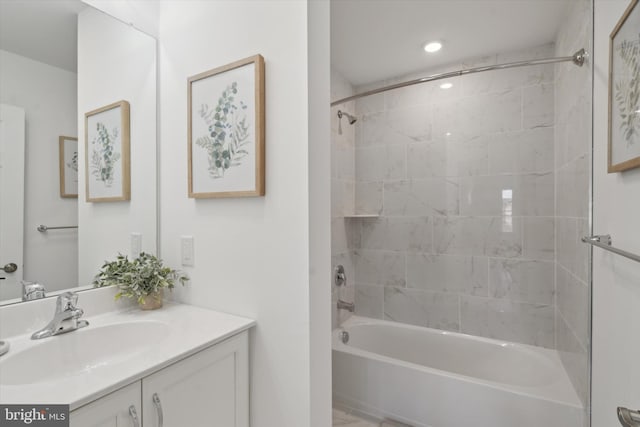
{"x":111,"y":410}
{"x":209,"y":388}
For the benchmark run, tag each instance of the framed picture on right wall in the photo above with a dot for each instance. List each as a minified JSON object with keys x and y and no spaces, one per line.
{"x":624,"y":92}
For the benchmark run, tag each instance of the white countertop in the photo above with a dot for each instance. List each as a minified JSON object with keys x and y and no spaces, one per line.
{"x":190,"y":330}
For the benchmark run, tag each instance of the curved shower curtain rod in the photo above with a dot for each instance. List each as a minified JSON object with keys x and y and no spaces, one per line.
{"x":577,"y":58}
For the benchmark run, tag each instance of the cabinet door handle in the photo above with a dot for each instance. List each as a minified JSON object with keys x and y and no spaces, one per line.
{"x":156,"y":401}
{"x":134,"y":416}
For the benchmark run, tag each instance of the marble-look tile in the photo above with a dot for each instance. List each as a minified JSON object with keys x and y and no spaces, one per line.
{"x":472,"y":117}
{"x":510,"y":79}
{"x":369,"y":300}
{"x":339,"y":235}
{"x":573,"y":303}
{"x":521,"y":152}
{"x":396,"y":233}
{"x":342,"y":197}
{"x":435,"y":196}
{"x":448,"y":157}
{"x":507,"y":320}
{"x":536,"y":195}
{"x":368,"y":197}
{"x":386,"y":162}
{"x":343,"y":163}
{"x":572,"y":254}
{"x":574,"y":358}
{"x":380,"y":267}
{"x":504,"y":195}
{"x":522,"y":280}
{"x":504,"y":237}
{"x":424,"y":308}
{"x":399,"y":126}
{"x":539,"y":238}
{"x":372,"y":103}
{"x":448,"y":273}
{"x":489,"y":236}
{"x":573,"y":190}
{"x":538,"y":106}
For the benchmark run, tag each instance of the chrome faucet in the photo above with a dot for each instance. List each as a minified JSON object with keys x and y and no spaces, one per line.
{"x":349,"y":306}
{"x":66,"y":318}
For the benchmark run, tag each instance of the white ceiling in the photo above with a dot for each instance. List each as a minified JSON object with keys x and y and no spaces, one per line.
{"x":372,"y":40}
{"x":43,"y":30}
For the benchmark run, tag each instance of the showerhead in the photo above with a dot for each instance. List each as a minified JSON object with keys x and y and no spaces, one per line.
{"x":352,"y":119}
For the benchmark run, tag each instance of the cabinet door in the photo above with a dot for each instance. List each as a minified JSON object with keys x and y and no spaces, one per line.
{"x":210,"y":388}
{"x":111,"y":410}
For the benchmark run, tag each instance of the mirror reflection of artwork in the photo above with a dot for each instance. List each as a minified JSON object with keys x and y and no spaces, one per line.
{"x":226,"y":131}
{"x":107,"y":153}
{"x":68,"y":167}
{"x":624,"y":92}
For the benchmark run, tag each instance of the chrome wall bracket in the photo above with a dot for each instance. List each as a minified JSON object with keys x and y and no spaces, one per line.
{"x":604,"y":241}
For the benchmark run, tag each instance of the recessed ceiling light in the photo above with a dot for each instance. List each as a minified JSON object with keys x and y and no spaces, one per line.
{"x":446,"y":85}
{"x":432,"y":47}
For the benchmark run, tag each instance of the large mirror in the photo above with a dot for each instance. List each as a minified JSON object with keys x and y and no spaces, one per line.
{"x":60,"y":59}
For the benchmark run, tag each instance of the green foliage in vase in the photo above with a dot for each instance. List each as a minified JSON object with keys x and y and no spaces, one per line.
{"x":138,"y":278}
{"x":628,"y":91}
{"x":103,"y":156}
{"x":228,"y":132}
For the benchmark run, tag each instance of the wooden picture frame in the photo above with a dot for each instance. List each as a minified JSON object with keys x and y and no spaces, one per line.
{"x":624,"y":92}
{"x":226,"y":136}
{"x":107,"y":161}
{"x":68,"y":162}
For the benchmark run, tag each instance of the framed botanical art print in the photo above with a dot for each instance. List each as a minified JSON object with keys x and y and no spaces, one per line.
{"x":68,"y":159}
{"x":107,"y":166}
{"x":624,"y":92}
{"x":226,"y":130}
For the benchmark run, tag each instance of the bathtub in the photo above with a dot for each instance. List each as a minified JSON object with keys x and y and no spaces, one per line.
{"x":431,"y":378}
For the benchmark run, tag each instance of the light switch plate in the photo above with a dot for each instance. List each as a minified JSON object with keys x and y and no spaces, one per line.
{"x":186,"y":249}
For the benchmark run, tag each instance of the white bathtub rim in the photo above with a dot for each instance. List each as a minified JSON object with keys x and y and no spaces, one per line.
{"x":568,"y":397}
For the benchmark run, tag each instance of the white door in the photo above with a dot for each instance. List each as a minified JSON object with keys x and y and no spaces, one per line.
{"x":208,"y":389}
{"x":12,"y":142}
{"x":118,"y":409}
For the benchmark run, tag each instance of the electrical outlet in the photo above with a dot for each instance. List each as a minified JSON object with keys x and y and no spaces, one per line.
{"x":186,"y":246}
{"x":136,"y":244}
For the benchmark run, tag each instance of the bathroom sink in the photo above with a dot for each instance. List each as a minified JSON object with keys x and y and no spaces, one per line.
{"x":81,"y":352}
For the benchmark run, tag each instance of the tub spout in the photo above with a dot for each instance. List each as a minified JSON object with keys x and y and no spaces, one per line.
{"x":349,"y":306}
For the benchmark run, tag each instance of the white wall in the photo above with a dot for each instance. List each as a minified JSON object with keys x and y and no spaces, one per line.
{"x":142,"y":14}
{"x":319,"y":213}
{"x":48,"y":95}
{"x":117,"y":62}
{"x":252,"y":256}
{"x":616,"y":280}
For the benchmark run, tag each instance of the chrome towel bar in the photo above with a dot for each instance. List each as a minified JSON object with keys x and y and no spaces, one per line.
{"x":43,"y":228}
{"x":604,"y":241}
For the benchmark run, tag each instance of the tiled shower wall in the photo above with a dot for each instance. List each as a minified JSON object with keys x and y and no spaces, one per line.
{"x":342,"y":193}
{"x":463,"y":182}
{"x":573,"y":172}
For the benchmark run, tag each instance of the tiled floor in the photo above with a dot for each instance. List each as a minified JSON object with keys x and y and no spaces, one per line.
{"x":344,"y":419}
